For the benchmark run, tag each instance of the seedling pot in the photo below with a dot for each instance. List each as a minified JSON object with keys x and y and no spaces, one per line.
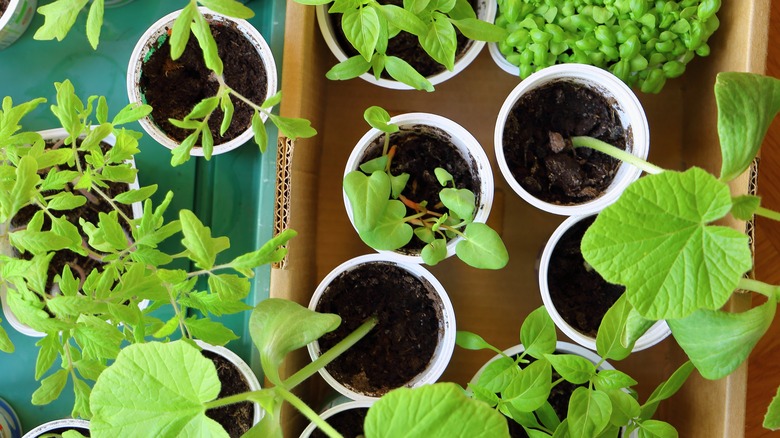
{"x":624,"y":102}
{"x":339,"y":408}
{"x":442,"y":307}
{"x":59,"y":426}
{"x":467,"y":146}
{"x":5,"y":246}
{"x":155,"y":35}
{"x":486,"y":11}
{"x":10,"y":426}
{"x":657,"y":333}
{"x":15,"y":20}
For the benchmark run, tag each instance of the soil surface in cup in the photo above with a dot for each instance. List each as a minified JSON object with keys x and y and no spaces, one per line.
{"x":537,"y":142}
{"x":401,"y":345}
{"x":173,"y":88}
{"x":349,"y":423}
{"x":236,"y":418}
{"x":404,"y":45}
{"x":419,"y":151}
{"x":580,"y":294}
{"x":4,"y":6}
{"x":60,"y":430}
{"x":90,"y":212}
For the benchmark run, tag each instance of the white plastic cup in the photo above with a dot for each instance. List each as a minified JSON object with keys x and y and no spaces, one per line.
{"x":5,"y":246}
{"x":632,"y":117}
{"x":69,"y":423}
{"x":15,"y":20}
{"x":10,"y":426}
{"x":337,"y":409}
{"x":143,"y":49}
{"x":486,"y":11}
{"x":657,"y":333}
{"x":446,"y":344}
{"x":469,"y":149}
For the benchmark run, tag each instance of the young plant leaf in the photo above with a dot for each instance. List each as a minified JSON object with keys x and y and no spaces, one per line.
{"x":416,"y":6}
{"x":272,"y":251}
{"x":443,"y":176}
{"x":656,"y":429}
{"x":636,"y":326}
{"x":610,"y":335}
{"x":50,"y":388}
{"x":772,"y":417}
{"x":293,"y":127}
{"x":404,"y":20}
{"x":482,"y":247}
{"x":153,"y":403}
{"x":440,"y":40}
{"x":425,"y":234}
{"x":226,"y":105}
{"x":473,"y":341}
{"x":368,"y":196}
{"x":499,"y":374}
{"x":377,"y":164}
{"x":747,"y":104}
{"x":279,"y":326}
{"x":537,"y":334}
{"x":479,"y":30}
{"x":607,"y":380}
{"x":66,"y":201}
{"x":137,"y":195}
{"x":24,"y":187}
{"x":440,"y":409}
{"x":666,"y":389}
{"x":589,"y":413}
{"x":745,"y":207}
{"x":530,"y":389}
{"x":201,"y":247}
{"x":398,"y":184}
{"x":59,"y":17}
{"x":401,"y":71}
{"x":548,"y":416}
{"x":461,"y":201}
{"x":391,"y":231}
{"x":181,"y":153}
{"x":209,"y":331}
{"x":97,"y":338}
{"x":361,"y":27}
{"x":202,"y":31}
{"x":485,"y":395}
{"x":231,"y":8}
{"x":717,"y":342}
{"x":655,"y":263}
{"x":131,"y":113}
{"x":180,"y":32}
{"x":94,"y":23}
{"x":49,"y":351}
{"x":5,"y":342}
{"x":379,"y":119}
{"x":229,"y":287}
{"x":81,"y":402}
{"x":624,"y":407}
{"x":348,"y":69}
{"x":573,"y":368}
{"x":261,"y":135}
{"x":272,"y":101}
{"x":434,"y":252}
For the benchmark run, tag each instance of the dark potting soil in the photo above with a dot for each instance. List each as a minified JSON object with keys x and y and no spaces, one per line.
{"x":89,"y":211}
{"x":419,"y":152}
{"x":349,"y":423}
{"x":60,"y":430}
{"x":404,"y":45}
{"x":405,"y":338}
{"x":4,"y":6}
{"x":580,"y":295}
{"x":236,"y":418}
{"x":537,"y":142}
{"x":173,"y":88}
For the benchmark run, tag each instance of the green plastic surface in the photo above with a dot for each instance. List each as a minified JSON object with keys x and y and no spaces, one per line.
{"x":233,"y":193}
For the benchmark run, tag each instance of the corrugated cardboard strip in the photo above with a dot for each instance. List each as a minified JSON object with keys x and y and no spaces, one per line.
{"x":750,"y":226}
{"x":284,"y":153}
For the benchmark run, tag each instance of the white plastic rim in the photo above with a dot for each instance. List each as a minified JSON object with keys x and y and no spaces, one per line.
{"x":486,"y":11}
{"x":354,"y":404}
{"x":72,"y":423}
{"x":469,"y":149}
{"x":116,"y":3}
{"x":145,"y":45}
{"x":657,"y":333}
{"x":243,"y":368}
{"x":15,"y":20}
{"x":5,"y":247}
{"x":446,"y":345}
{"x":632,"y":117}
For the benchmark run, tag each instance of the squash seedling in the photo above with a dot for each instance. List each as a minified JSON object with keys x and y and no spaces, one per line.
{"x":659,"y":241}
{"x":379,"y":210}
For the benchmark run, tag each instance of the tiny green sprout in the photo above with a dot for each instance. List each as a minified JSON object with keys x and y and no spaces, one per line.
{"x":379,"y":211}
{"x":602,"y":403}
{"x":369,"y":26}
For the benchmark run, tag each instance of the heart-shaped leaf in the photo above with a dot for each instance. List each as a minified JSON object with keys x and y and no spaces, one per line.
{"x":482,"y":248}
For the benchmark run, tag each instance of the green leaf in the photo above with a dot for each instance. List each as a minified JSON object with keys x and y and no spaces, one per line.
{"x":717,"y":342}
{"x":361,"y":27}
{"x":24,"y":187}
{"x":624,"y":407}
{"x":667,"y":389}
{"x":391,"y":231}
{"x":38,"y":242}
{"x":772,"y":417}
{"x":293,"y":128}
{"x":747,"y":104}
{"x":440,"y":409}
{"x":461,"y":201}
{"x":482,"y":247}
{"x":398,"y":184}
{"x":548,"y":416}
{"x":206,"y":142}
{"x":137,"y":195}
{"x":530,"y":389}
{"x":59,"y":17}
{"x":231,"y":8}
{"x":181,"y":153}
{"x":485,"y":395}
{"x":368,"y":197}
{"x":537,"y":334}
{"x":461,"y":10}
{"x":50,"y":389}
{"x":272,"y":251}
{"x":472,"y":341}
{"x":379,"y":119}
{"x":209,"y":303}
{"x":607,"y":380}
{"x":279,"y":326}
{"x":98,"y":339}
{"x":377,"y":164}
{"x":131,"y":112}
{"x":180,"y":32}
{"x":49,"y":350}
{"x":272,"y":101}
{"x":479,"y":30}
{"x":167,"y":329}
{"x":66,"y":201}
{"x":589,"y":413}
{"x":425,"y":234}
{"x":227,"y":109}
{"x":745,"y":207}
{"x":416,"y":6}
{"x":73,"y":306}
{"x":610,"y":335}
{"x":573,"y":368}
{"x":348,"y":69}
{"x":680,"y":263}
{"x":260,"y":134}
{"x":81,"y":400}
{"x":94,"y":23}
{"x":229,"y":287}
{"x":5,"y":342}
{"x":656,"y":429}
{"x":440,"y":41}
{"x":499,"y":374}
{"x":401,"y":71}
{"x":152,"y":403}
{"x":200,"y":28}
{"x":209,"y":331}
{"x":434,"y":252}
{"x":444,"y":177}
{"x":201,"y":247}
{"x":636,"y":326}
{"x":404,"y":20}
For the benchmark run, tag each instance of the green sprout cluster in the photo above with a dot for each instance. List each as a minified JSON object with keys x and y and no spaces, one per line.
{"x":642,"y":42}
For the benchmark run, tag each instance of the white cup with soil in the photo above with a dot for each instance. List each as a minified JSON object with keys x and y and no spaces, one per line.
{"x":173,"y":88}
{"x":414,"y":337}
{"x":15,"y":18}
{"x":58,"y":427}
{"x":424,"y":142}
{"x":406,"y":47}
{"x":534,"y":131}
{"x":347,"y":418}
{"x":80,"y":265}
{"x":575,"y":295}
{"x":236,"y":377}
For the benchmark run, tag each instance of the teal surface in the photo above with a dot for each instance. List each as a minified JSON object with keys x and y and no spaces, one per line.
{"x":233,"y":193}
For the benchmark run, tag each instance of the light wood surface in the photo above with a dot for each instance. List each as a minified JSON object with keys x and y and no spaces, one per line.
{"x":764,"y":363}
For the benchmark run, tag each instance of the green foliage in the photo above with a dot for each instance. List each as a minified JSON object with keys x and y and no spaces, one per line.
{"x":379,"y":211}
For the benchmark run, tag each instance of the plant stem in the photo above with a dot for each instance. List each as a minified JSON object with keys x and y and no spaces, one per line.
{"x":769,"y":290}
{"x":335,"y":351}
{"x":308,"y":412}
{"x":113,"y":205}
{"x":615,"y":152}
{"x":767,"y":213}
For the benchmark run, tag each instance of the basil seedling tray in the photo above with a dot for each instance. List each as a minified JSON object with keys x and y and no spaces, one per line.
{"x":232,"y":193}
